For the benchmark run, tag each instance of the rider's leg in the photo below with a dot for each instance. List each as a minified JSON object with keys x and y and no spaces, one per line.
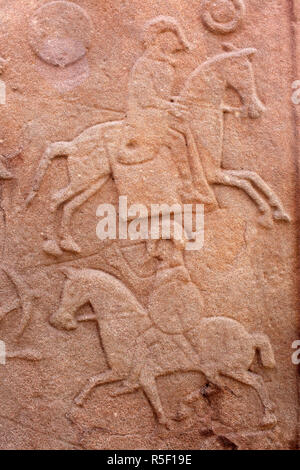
{"x":179,"y":147}
{"x":187,"y":349}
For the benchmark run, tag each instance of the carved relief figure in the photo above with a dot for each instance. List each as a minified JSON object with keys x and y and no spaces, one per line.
{"x":117,"y":149}
{"x":24,"y":293}
{"x":127,"y":328}
{"x":171,"y":334}
{"x":203,"y":94}
{"x":150,"y":102}
{"x":93,"y":156}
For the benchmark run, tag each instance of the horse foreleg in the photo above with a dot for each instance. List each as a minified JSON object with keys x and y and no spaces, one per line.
{"x":229,"y":180}
{"x":67,"y":243}
{"x":148,"y":384}
{"x":62,"y":196}
{"x":102,"y":379}
{"x":257,"y":383}
{"x":279,"y":212}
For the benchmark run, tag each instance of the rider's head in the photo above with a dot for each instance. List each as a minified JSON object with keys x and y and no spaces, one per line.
{"x":165,"y":33}
{"x":169,"y":253}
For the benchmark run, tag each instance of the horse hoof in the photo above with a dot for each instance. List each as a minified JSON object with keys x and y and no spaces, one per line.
{"x":183,"y":413}
{"x":5,"y":174}
{"x":79,"y":401}
{"x":68,"y":244}
{"x":269,"y":421}
{"x":265,"y":221}
{"x":51,"y":248}
{"x":165,"y":422}
{"x":195,"y":196}
{"x":53,"y":208}
{"x":63,"y":323}
{"x":280,"y":215}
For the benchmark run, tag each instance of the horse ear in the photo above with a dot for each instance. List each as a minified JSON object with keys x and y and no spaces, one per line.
{"x":228,"y":47}
{"x":69,"y":272}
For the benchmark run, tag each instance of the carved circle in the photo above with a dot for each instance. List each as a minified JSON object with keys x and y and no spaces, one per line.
{"x":223,"y":16}
{"x":60,"y":33}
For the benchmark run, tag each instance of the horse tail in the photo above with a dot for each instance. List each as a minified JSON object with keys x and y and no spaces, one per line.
{"x":262,"y":343}
{"x":57,"y":149}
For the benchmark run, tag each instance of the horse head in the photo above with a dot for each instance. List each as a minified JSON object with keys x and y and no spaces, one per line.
{"x":239,"y":75}
{"x":75,"y":295}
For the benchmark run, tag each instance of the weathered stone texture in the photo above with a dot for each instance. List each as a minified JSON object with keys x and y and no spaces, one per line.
{"x":110,"y":98}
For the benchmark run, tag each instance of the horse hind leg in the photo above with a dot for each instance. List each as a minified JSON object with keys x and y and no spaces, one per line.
{"x":50,"y":245}
{"x":257,"y":383}
{"x":279,"y":211}
{"x":228,"y":179}
{"x":109,"y":376}
{"x":67,"y":242}
{"x":214,"y":384}
{"x":56,"y":149}
{"x":208,"y":389}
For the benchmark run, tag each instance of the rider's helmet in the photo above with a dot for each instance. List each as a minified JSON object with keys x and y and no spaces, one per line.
{"x":163,"y":24}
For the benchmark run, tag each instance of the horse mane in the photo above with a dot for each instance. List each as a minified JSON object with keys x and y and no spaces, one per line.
{"x":231,"y":52}
{"x":228,"y":55}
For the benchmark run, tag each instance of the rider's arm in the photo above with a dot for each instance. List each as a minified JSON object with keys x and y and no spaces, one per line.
{"x":144,"y":90}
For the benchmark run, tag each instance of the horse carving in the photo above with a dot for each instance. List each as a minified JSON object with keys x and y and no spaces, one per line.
{"x":223,"y":346}
{"x":89,"y":158}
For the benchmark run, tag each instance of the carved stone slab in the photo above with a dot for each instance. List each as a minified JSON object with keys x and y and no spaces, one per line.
{"x":142,"y":343}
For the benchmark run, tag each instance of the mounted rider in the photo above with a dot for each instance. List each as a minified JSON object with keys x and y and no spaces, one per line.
{"x":144,"y":169}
